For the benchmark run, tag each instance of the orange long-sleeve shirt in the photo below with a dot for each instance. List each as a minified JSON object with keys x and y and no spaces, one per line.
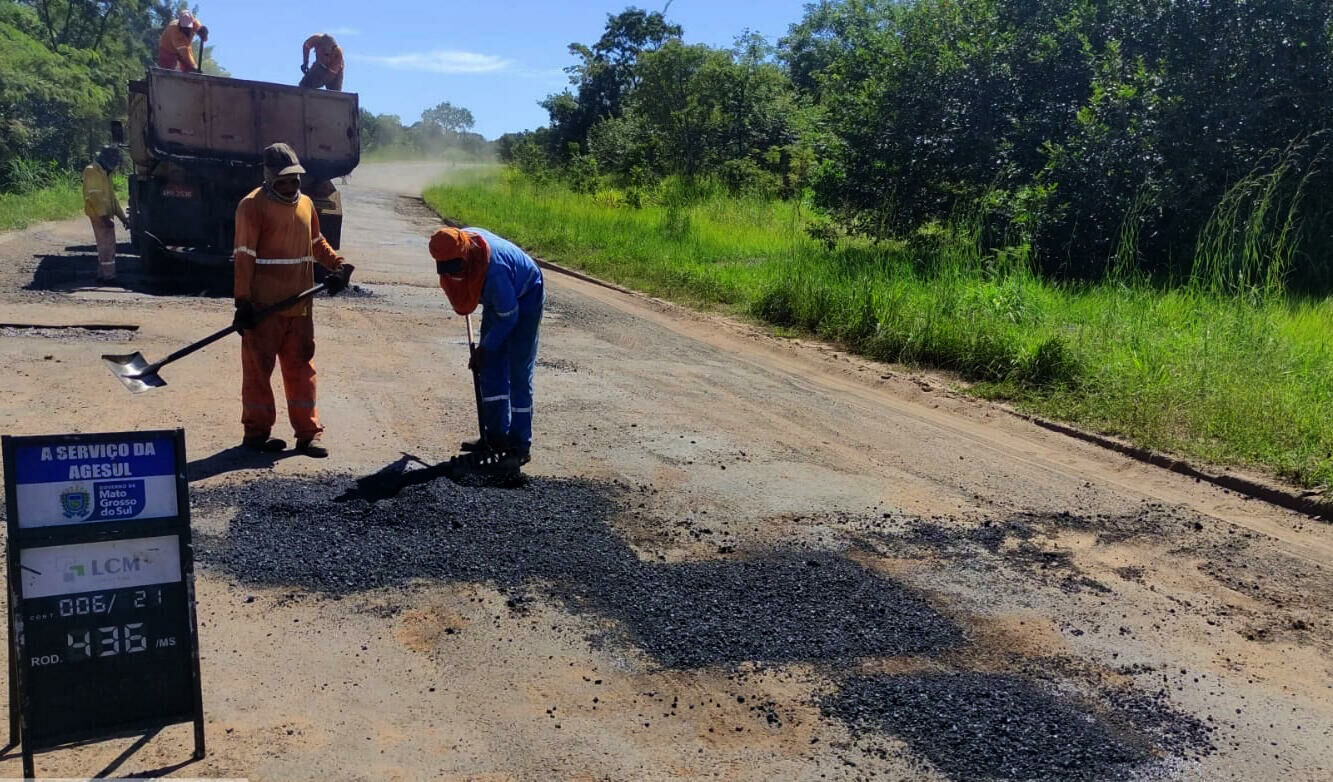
{"x":175,"y":49}
{"x":331,"y":57}
{"x":277,"y":246}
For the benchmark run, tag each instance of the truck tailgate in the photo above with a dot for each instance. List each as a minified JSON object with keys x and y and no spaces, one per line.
{"x":193,"y":115}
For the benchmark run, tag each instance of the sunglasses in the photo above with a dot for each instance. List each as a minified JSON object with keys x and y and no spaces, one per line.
{"x":452,"y":267}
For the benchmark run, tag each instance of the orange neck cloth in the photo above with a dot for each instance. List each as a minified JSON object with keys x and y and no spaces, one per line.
{"x":464,"y":288}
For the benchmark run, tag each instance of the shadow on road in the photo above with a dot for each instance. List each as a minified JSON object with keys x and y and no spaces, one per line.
{"x":232,"y":459}
{"x":76,"y":270}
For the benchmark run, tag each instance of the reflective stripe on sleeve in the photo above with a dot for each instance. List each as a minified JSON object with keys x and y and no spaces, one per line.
{"x":283,"y":261}
{"x":506,"y":314}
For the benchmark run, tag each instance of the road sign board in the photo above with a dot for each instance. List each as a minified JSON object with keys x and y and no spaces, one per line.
{"x":103,"y":639}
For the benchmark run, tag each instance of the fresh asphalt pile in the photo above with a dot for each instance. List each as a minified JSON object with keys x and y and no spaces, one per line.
{"x":337,"y":535}
{"x":781,"y":606}
{"x":978,"y":726}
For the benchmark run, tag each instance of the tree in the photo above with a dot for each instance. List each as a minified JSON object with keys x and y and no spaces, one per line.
{"x":604,"y":75}
{"x":449,"y":118}
{"x":64,"y":70}
{"x":694,"y":108}
{"x":1085,"y":129}
{"x":48,"y":105}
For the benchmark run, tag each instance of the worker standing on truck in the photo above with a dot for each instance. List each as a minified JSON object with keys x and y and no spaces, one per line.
{"x":477,"y":267}
{"x":277,"y":245}
{"x":100,"y":204}
{"x":175,"y":50}
{"x":328,"y":70}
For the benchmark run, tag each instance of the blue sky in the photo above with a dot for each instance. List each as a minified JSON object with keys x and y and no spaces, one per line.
{"x":495,"y":58}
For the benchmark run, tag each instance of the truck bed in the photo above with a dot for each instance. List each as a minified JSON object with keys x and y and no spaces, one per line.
{"x":231,"y":121}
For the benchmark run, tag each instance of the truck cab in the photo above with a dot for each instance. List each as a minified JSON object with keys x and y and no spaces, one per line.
{"x":197,"y":144}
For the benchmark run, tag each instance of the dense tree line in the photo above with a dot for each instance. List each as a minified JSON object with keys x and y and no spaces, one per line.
{"x":1095,"y":135}
{"x":64,"y":65}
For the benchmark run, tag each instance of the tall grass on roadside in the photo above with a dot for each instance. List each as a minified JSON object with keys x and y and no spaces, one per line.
{"x":19,"y":210}
{"x":1246,"y":247}
{"x":43,"y":192}
{"x":1193,"y":370}
{"x":33,"y":192}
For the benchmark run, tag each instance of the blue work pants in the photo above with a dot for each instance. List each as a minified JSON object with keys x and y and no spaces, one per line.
{"x":506,"y":377}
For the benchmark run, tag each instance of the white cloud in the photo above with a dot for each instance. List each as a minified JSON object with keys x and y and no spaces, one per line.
{"x":345,"y":32}
{"x":442,"y":61}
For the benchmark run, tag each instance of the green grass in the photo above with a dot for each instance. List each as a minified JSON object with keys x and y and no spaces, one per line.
{"x":56,"y":202}
{"x":1235,"y":380}
{"x":19,"y":210}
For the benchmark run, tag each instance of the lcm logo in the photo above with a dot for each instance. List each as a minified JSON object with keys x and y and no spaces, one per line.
{"x":101,"y":567}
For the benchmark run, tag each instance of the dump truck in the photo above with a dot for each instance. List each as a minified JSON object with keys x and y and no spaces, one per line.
{"x":197,"y":145}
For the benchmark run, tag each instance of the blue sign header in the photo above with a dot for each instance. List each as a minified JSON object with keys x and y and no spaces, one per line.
{"x":57,"y":462}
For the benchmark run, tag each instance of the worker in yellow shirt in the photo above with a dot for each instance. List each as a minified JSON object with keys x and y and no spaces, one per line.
{"x":328,"y":70}
{"x":100,"y":204}
{"x":175,"y":49}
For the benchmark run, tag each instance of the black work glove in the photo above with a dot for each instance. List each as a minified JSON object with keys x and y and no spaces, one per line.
{"x":477,"y":360}
{"x":203,"y":34}
{"x":337,"y":280}
{"x":244,"y":319}
{"x":305,"y":68}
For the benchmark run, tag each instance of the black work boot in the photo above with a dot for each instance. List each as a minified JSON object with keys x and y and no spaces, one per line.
{"x":312,"y":448}
{"x":264,"y":444}
{"x":511,"y":459}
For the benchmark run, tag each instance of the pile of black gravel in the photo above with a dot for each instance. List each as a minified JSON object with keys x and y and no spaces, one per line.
{"x":337,"y":536}
{"x":975,"y":726}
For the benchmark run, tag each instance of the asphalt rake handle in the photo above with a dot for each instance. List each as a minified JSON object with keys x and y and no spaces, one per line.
{"x":134,"y":371}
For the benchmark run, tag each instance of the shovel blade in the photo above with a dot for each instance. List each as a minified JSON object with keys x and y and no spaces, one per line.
{"x":132,"y":371}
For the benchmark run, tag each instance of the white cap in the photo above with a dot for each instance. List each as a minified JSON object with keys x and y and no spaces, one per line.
{"x":185,"y":18}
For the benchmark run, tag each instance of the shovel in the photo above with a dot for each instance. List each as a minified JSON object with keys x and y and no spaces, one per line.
{"x":486,"y":462}
{"x":476,"y":381}
{"x":138,"y":375}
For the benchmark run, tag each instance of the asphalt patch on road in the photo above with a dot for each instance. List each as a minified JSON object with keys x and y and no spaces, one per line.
{"x":554,"y":537}
{"x":975,"y":726}
{"x":65,"y":334}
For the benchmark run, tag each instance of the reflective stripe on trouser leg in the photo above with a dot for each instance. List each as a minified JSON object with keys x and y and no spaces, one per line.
{"x":259,"y":353}
{"x":494,"y":378}
{"x":296,"y":356}
{"x":104,"y":232}
{"x":522,"y":364}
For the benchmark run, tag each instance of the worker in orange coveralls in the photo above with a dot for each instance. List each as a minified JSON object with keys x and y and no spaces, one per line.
{"x":277,"y":245}
{"x":328,"y":70}
{"x":175,"y":50}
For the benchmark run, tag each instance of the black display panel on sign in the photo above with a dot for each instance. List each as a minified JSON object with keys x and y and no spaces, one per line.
{"x":103,"y":639}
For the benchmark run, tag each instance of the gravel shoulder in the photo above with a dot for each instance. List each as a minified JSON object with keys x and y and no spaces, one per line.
{"x":739,"y":557}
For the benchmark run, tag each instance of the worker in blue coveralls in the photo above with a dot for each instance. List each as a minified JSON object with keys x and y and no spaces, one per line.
{"x":478,"y":267}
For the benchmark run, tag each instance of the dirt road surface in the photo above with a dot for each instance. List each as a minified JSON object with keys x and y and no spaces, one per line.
{"x":739,"y":557}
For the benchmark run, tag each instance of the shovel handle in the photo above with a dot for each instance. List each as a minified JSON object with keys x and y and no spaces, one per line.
{"x":476,"y":380}
{"x":217,"y":335}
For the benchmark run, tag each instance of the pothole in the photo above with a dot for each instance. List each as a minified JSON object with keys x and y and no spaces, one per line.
{"x":84,"y":332}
